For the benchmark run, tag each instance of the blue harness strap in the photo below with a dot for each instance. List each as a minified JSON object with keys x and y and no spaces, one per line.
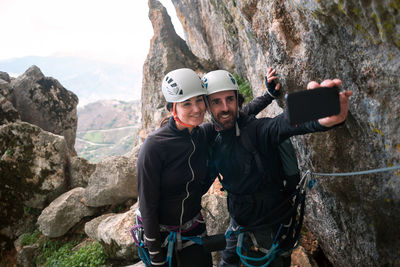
{"x":172,"y":239}
{"x":268,"y":257}
{"x":143,"y":255}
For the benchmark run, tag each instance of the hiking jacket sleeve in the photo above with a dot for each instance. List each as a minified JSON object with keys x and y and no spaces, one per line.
{"x":257,"y":104}
{"x":277,"y":129}
{"x":149,"y":166}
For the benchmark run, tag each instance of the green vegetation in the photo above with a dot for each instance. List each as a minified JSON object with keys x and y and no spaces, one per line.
{"x":9,"y":152}
{"x":30,"y":238}
{"x":244,"y":88}
{"x":91,"y":254}
{"x":111,"y":124}
{"x":95,"y":137}
{"x":52,"y":252}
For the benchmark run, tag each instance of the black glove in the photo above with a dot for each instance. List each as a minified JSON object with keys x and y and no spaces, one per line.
{"x":156,"y":252}
{"x":271,"y":88}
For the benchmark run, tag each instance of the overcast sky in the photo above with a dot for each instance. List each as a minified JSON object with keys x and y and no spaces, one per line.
{"x":114,"y":31}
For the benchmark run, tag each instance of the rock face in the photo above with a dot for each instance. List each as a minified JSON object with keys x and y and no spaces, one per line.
{"x":113,"y":182}
{"x":354,"y":218}
{"x":5,"y":77}
{"x":167,"y":52}
{"x":33,"y":173}
{"x":216,"y":216}
{"x":44,"y":102}
{"x":80,"y":171}
{"x":64,"y":213}
{"x":8,"y":113}
{"x":113,"y":230}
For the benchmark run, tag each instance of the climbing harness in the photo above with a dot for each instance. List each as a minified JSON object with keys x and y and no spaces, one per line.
{"x":137,"y":233}
{"x":175,"y":238}
{"x":218,"y":242}
{"x":306,"y":183}
{"x":295,"y":216}
{"x":209,"y":243}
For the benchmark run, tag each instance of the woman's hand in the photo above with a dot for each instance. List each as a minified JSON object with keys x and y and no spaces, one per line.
{"x":270,"y":83}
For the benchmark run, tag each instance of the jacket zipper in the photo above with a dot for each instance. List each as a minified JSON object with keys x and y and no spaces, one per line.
{"x":187,"y":185}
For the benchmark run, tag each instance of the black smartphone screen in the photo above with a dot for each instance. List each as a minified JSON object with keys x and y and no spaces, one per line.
{"x":312,"y":104}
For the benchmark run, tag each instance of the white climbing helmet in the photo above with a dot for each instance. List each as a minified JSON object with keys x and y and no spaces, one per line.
{"x":182,"y":84}
{"x":218,"y":81}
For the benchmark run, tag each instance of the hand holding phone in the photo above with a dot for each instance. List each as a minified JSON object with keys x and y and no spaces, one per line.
{"x":308,"y":105}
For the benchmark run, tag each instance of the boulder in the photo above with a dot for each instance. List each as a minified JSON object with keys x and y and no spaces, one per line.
{"x":44,"y":102}
{"x":113,"y":231}
{"x":301,"y":258}
{"x":63,"y":213}
{"x":4,"y":76}
{"x":26,"y":256}
{"x":33,"y":173}
{"x":80,"y":171}
{"x":216,"y":216}
{"x":114,"y":181}
{"x":8,"y":113}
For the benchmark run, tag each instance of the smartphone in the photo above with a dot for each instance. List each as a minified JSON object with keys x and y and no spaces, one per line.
{"x":312,"y":104}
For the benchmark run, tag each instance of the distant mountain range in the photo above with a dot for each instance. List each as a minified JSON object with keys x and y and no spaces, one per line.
{"x":90,"y":80}
{"x":107,"y":128}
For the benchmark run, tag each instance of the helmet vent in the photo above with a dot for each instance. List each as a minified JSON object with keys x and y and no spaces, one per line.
{"x":232,"y":78}
{"x":205,"y":82}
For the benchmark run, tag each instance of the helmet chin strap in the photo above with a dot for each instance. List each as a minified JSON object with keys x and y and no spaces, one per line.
{"x":178,"y":120}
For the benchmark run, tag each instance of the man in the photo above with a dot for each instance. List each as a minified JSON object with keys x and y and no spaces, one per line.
{"x":255,"y":197}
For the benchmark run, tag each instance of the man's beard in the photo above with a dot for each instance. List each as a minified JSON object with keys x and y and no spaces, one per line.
{"x":226,"y":124}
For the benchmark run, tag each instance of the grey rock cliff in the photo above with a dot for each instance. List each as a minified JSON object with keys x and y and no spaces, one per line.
{"x":354,"y":218}
{"x":64,"y":213}
{"x":33,"y":167}
{"x":8,"y":113}
{"x":44,"y":102}
{"x":167,"y":52}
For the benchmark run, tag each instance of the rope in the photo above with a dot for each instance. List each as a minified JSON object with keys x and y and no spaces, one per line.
{"x":357,"y":173}
{"x":268,"y":257}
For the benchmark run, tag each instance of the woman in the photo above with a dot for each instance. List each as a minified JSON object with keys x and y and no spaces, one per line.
{"x":171,"y":173}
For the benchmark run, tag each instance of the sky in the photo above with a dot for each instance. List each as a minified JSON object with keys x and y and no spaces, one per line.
{"x":116,"y":32}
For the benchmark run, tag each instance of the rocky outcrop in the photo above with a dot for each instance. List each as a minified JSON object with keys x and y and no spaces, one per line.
{"x":44,"y":102}
{"x":80,"y":171}
{"x":5,"y":77}
{"x":38,"y":168}
{"x":8,"y":113}
{"x":354,"y":218}
{"x":216,"y":216}
{"x":64,"y":213}
{"x":33,"y":173}
{"x":113,"y":230}
{"x":167,"y":52}
{"x":113,"y":182}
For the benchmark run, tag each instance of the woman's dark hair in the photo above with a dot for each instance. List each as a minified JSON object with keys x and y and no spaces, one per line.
{"x":168,"y":106}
